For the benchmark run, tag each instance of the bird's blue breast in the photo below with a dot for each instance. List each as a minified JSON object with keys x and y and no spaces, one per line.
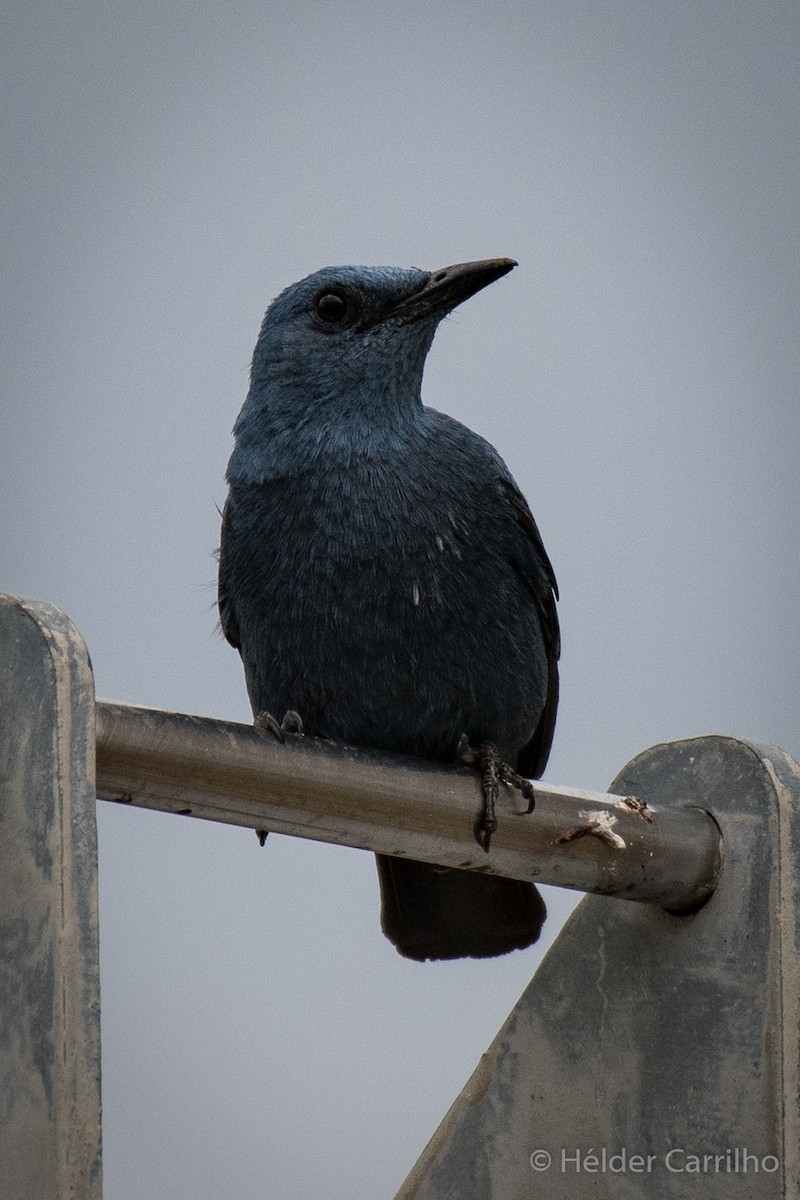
{"x":375,"y":595}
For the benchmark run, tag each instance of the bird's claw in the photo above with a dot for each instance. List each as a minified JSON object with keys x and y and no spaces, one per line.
{"x":493,"y":771}
{"x":291,"y":723}
{"x":267,"y":722}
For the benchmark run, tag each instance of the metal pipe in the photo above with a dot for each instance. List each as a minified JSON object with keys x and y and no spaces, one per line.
{"x":220,"y":771}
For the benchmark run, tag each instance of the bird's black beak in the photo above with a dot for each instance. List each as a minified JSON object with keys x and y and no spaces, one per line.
{"x":449,"y":287}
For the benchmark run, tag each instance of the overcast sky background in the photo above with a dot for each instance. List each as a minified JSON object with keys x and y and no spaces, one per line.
{"x":167,"y":169}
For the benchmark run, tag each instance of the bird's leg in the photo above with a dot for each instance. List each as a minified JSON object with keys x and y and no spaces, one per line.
{"x":493,"y":771}
{"x":291,"y":723}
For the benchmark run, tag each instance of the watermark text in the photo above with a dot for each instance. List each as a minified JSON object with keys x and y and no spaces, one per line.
{"x":733,"y":1160}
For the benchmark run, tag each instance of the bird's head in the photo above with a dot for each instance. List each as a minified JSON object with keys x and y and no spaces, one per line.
{"x":346,"y":347}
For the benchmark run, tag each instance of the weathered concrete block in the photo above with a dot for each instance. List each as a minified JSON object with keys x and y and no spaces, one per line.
{"x":654,"y":1054}
{"x":49,"y":978}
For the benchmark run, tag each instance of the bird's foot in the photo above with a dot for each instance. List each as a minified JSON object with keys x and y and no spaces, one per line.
{"x":493,"y":771}
{"x":291,"y":723}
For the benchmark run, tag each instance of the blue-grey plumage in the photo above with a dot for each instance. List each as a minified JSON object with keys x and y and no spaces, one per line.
{"x":380,"y":572}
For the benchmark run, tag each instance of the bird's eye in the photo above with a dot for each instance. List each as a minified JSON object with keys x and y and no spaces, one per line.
{"x":330,"y":307}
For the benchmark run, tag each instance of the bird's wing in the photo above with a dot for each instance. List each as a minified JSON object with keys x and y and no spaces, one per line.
{"x":227,"y":611}
{"x":537,"y":572}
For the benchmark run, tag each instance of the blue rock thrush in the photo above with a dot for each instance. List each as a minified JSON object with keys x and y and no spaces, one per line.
{"x":382,"y":576}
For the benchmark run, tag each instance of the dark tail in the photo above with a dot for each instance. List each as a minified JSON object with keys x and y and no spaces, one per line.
{"x":436,"y":912}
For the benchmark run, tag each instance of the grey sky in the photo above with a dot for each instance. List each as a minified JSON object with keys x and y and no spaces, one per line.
{"x":167,"y":169}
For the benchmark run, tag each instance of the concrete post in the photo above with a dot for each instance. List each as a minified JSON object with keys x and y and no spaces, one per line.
{"x":49,"y":978}
{"x":654,"y":1054}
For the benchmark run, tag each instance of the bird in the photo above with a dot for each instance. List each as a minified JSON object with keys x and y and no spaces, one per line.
{"x":383,"y":578}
